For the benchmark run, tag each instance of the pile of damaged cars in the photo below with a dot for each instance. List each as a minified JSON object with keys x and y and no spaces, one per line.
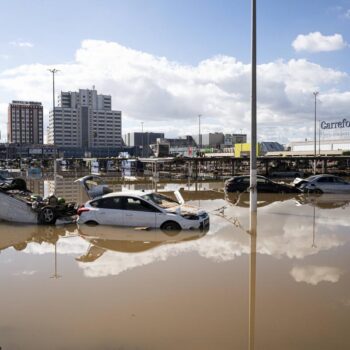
{"x":140,"y":209}
{"x":20,"y":205}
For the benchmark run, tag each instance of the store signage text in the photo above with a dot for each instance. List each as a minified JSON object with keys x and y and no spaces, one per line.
{"x":335,"y":125}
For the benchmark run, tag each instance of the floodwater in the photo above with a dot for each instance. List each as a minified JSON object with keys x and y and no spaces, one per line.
{"x":119,"y":288}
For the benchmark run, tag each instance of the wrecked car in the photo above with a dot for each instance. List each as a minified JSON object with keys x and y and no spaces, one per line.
{"x":20,"y":205}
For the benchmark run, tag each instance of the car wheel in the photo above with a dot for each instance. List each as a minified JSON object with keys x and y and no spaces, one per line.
{"x":47,"y":216}
{"x":317,"y":191}
{"x":170,"y":228}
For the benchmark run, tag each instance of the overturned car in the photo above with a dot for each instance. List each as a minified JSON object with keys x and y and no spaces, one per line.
{"x":18,"y":204}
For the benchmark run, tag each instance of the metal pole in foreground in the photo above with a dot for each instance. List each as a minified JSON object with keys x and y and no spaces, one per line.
{"x":54,"y":71}
{"x":315,"y":138}
{"x":253,"y":189}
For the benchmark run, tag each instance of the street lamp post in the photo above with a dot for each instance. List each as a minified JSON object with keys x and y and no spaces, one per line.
{"x":142,"y":139}
{"x":199,"y":132}
{"x":315,"y":137}
{"x":253,"y":171}
{"x":54,"y":71}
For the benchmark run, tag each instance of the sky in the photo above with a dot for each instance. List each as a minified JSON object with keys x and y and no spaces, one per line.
{"x":165,"y":62}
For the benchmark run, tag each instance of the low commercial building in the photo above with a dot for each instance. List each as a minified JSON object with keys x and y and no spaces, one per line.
{"x":142,"y":139}
{"x":161,"y":148}
{"x":17,"y":150}
{"x":322,"y":146}
{"x":243,"y":149}
{"x":231,"y":139}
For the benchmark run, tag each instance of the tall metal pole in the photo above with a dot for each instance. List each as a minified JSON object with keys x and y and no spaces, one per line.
{"x":54,"y":71}
{"x":142,"y":139}
{"x":253,"y":189}
{"x":319,"y":138}
{"x":253,"y":171}
{"x":315,"y":138}
{"x":199,"y":131}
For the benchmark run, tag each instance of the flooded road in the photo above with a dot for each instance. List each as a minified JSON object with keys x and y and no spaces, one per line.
{"x":119,"y":288}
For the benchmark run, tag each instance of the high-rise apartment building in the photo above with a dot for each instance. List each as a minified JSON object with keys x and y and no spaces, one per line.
{"x":25,"y":122}
{"x":85,"y":120}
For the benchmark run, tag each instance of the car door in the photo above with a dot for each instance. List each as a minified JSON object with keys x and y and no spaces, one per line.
{"x":325,"y":184}
{"x":264,"y":186}
{"x":109,"y":211}
{"x":243,"y":184}
{"x":340,"y":186}
{"x":139,"y":212}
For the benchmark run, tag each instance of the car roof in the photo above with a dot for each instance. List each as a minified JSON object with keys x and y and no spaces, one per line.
{"x":139,"y":193}
{"x":248,"y":176}
{"x":322,"y":175}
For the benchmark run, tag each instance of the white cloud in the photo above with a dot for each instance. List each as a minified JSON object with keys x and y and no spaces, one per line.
{"x":22,"y":44}
{"x":315,"y":274}
{"x":316,"y":42}
{"x":164,"y":93}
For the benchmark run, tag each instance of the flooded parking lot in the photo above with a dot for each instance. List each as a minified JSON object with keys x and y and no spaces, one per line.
{"x":120,"y":288}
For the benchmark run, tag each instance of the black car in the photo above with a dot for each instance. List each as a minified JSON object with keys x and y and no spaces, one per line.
{"x":242,"y":183}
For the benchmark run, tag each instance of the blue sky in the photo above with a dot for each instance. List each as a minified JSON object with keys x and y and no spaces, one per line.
{"x":184,"y":32}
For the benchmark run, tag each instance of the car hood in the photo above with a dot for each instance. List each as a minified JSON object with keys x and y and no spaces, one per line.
{"x":186,"y":209}
{"x":298,"y":180}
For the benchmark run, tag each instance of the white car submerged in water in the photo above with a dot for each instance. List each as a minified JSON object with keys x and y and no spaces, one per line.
{"x":140,"y":209}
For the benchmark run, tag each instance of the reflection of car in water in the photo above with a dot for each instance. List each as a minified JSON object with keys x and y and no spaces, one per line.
{"x":322,"y":184}
{"x":264,"y":199}
{"x":140,"y":209}
{"x":264,"y":185}
{"x":20,"y":205}
{"x":325,"y":201}
{"x":126,"y":240}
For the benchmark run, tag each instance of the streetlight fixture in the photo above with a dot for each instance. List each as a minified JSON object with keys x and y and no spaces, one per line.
{"x":315,"y":138}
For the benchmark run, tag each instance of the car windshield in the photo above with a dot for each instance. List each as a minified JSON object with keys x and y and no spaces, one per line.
{"x":160,"y":200}
{"x":311,"y":178}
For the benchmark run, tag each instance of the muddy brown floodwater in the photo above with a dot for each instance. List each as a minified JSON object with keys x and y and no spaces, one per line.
{"x":119,"y":288}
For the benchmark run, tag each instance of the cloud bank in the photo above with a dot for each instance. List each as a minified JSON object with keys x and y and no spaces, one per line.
{"x":165,"y":94}
{"x":316,"y":42}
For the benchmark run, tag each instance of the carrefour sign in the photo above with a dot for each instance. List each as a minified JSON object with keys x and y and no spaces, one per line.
{"x":335,"y":125}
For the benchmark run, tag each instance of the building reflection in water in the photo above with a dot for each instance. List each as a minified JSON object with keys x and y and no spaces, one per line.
{"x":19,"y":236}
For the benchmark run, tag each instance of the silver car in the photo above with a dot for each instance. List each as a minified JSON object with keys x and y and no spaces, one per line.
{"x":323,"y":184}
